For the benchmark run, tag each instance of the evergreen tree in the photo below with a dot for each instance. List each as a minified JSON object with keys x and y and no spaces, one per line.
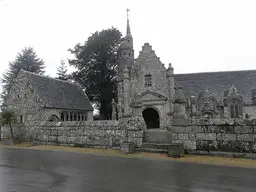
{"x":62,"y":71}
{"x":96,"y":64}
{"x":26,"y":60}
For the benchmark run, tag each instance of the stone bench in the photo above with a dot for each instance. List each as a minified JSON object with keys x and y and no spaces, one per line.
{"x":175,"y":150}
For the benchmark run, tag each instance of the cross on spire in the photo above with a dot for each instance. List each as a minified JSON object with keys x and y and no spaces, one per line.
{"x":127,"y":10}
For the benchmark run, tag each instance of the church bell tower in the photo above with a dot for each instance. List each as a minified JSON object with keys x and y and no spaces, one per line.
{"x":125,"y":63}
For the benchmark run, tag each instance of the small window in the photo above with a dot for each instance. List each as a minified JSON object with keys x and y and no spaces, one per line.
{"x":234,"y":111}
{"x":18,"y":96}
{"x":148,"y":80}
{"x":21,"y":119}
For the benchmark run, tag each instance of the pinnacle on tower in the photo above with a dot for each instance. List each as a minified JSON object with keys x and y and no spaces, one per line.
{"x":128,"y":30}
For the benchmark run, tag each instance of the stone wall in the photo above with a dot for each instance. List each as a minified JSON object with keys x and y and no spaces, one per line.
{"x":103,"y":134}
{"x":24,"y":133}
{"x":223,"y":138}
{"x":24,"y":100}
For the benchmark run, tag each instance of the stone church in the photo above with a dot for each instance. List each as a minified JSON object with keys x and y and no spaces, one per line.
{"x":37,"y":98}
{"x":147,"y":88}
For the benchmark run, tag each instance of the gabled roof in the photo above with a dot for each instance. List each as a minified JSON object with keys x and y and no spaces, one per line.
{"x":218,"y":82}
{"x":152,"y":95}
{"x":57,"y":93}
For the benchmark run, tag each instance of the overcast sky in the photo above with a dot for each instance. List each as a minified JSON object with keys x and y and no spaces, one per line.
{"x":193,"y":35}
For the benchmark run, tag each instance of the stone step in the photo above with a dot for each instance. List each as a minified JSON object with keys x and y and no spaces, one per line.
{"x":150,"y":150}
{"x":157,"y":136}
{"x":155,"y":145}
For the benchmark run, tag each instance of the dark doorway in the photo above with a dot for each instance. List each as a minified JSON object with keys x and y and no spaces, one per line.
{"x":151,"y":117}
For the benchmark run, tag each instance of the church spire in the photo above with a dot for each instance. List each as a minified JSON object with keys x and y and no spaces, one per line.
{"x":128,"y":30}
{"x":127,"y":43}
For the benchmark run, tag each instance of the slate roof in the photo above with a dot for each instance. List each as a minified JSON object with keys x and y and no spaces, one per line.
{"x":218,"y":82}
{"x":57,"y":93}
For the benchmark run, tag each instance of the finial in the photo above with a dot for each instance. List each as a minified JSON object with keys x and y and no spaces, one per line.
{"x":170,"y":66}
{"x":127,"y":10}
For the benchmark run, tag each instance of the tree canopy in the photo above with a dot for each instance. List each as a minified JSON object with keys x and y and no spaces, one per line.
{"x":96,"y":67}
{"x":62,"y":71}
{"x":26,"y":60}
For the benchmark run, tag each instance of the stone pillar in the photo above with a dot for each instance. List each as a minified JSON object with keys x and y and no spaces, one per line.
{"x":74,"y":116}
{"x":64,"y":116}
{"x":180,"y":116}
{"x":126,"y":92}
{"x":193,"y":109}
{"x":90,"y":116}
{"x":170,"y":87}
{"x":113,"y":116}
{"x":78,"y":117}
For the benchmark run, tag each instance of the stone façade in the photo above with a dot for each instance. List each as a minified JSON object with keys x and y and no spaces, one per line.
{"x":180,"y":99}
{"x":194,"y":108}
{"x":135,"y":94}
{"x":36,"y":98}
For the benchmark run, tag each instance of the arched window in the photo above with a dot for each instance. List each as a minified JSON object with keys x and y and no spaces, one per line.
{"x":148,"y":80}
{"x":71,"y":117}
{"x":236,"y":109}
{"x":232,"y":111}
{"x":53,"y":118}
{"x":62,"y":116}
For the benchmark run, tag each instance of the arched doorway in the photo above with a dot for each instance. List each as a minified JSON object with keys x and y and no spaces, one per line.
{"x":151,"y":117}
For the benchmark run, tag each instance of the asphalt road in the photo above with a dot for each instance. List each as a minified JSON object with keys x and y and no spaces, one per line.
{"x":51,"y":171}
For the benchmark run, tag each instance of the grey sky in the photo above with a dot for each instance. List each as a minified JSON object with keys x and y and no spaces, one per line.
{"x":195,"y":36}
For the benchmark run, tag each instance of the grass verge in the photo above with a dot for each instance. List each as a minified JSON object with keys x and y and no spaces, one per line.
{"x":213,"y":160}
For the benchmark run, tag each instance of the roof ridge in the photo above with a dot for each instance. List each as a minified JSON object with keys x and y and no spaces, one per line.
{"x":246,"y":70}
{"x":48,"y":77}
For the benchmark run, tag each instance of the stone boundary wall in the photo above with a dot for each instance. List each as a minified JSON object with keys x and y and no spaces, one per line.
{"x":101,"y":134}
{"x":222,"y":138}
{"x":24,"y":133}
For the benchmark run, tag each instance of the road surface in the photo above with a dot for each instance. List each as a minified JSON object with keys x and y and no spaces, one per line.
{"x":51,"y":171}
